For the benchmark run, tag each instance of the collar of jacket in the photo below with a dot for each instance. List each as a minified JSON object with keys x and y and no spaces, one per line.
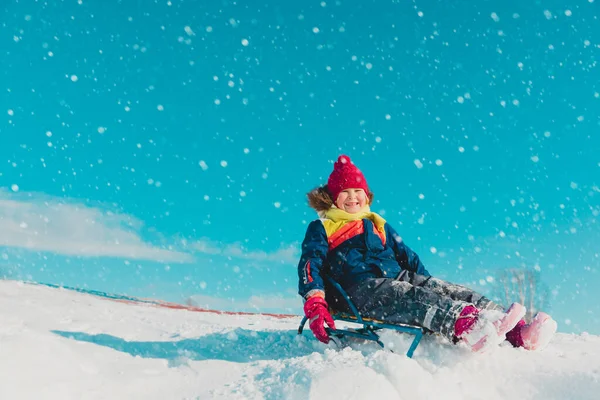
{"x":334,"y":218}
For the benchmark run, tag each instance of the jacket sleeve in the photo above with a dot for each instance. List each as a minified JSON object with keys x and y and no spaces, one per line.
{"x":407,"y":259}
{"x":313,"y":259}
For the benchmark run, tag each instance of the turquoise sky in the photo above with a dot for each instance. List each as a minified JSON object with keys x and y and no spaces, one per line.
{"x":164,"y":148}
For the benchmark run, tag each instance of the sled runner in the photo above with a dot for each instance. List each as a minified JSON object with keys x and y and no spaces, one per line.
{"x":369,"y":326}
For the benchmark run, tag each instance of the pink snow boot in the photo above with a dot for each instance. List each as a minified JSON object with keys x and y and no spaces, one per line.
{"x":466,"y":320}
{"x":533,"y":336}
{"x":485,"y":330}
{"x":475,"y":332}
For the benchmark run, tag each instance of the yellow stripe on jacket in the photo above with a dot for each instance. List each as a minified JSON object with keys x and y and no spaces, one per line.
{"x":341,"y":225}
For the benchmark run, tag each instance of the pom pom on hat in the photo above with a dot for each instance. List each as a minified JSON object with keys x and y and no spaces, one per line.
{"x":345,"y":175}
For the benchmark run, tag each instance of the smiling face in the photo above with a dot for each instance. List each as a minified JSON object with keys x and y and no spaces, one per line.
{"x":351,"y":200}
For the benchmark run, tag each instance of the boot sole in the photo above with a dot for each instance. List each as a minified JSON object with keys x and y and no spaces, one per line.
{"x":539,"y":334}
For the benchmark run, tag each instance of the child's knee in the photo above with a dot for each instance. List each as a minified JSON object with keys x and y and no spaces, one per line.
{"x":401,"y":287}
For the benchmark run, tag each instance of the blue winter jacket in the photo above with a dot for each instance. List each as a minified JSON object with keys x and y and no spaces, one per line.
{"x":361,"y":254}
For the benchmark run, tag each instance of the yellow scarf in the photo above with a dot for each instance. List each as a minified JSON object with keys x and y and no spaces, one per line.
{"x":335,"y":218}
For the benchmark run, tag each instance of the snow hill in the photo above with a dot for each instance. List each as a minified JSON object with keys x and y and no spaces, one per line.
{"x":61,"y":344}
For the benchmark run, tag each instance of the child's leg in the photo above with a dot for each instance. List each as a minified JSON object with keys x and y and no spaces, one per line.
{"x":463,"y":293}
{"x":396,"y":301}
{"x":545,"y":325}
{"x":452,"y":290}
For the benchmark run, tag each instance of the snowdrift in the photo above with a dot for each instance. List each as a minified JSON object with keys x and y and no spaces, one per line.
{"x":57,"y":343}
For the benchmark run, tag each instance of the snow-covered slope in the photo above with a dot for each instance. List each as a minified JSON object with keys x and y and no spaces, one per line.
{"x":59,"y":344}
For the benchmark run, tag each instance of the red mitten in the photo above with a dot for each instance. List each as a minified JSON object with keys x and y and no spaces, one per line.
{"x":317,"y":313}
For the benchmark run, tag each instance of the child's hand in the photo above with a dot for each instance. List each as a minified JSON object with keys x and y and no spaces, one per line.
{"x":316,"y":310}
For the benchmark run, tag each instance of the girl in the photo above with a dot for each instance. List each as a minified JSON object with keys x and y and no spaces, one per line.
{"x":386,"y":280}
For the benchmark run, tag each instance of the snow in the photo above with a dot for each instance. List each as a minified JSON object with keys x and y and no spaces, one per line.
{"x":57,"y":343}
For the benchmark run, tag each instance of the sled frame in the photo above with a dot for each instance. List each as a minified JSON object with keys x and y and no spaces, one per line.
{"x":369,"y":326}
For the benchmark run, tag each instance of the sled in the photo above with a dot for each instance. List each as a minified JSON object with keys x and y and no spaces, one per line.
{"x":369,"y":326}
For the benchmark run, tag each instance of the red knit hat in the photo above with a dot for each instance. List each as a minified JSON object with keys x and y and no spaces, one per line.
{"x":345,"y":175}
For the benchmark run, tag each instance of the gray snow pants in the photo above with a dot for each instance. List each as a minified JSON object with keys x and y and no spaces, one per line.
{"x":417,"y":300}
